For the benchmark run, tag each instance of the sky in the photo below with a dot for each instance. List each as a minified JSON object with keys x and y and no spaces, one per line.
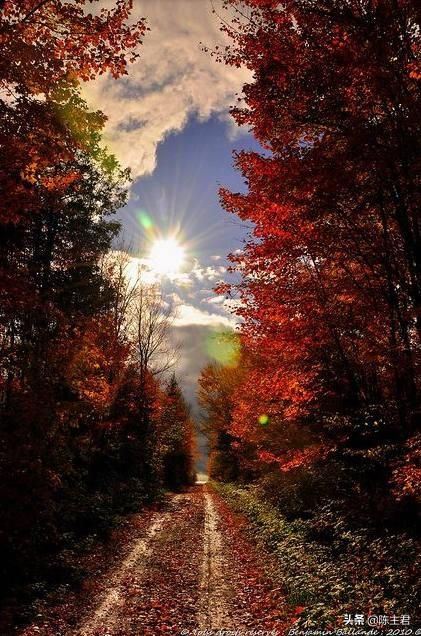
{"x":169,"y":121}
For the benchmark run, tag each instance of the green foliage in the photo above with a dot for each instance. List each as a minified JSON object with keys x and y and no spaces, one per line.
{"x":353,"y":569}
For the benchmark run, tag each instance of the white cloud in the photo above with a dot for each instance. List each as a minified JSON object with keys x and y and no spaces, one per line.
{"x":190,"y":315}
{"x":173,"y":80}
{"x":213,"y":300}
{"x":209,"y":273}
{"x":141,"y":268}
{"x":234,"y":132}
{"x":178,"y":290}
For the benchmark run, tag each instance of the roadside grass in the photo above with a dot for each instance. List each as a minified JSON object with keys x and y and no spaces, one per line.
{"x":355,"y":574}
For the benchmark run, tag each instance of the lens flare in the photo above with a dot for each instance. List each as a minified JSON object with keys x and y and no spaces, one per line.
{"x":145,"y":220}
{"x":263,"y":419}
{"x":166,"y":256}
{"x":224,"y":347}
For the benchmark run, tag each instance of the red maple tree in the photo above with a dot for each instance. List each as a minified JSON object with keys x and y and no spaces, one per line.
{"x":330,"y":275}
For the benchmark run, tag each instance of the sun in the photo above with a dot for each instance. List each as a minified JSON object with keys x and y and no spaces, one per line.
{"x":166,"y":256}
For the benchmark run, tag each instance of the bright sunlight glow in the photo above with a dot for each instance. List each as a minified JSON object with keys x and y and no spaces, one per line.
{"x":166,"y":256}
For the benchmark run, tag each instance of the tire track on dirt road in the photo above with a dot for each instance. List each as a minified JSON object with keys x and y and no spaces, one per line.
{"x":215,"y":594}
{"x":107,"y":611}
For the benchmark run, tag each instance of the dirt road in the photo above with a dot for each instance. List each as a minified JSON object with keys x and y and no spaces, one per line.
{"x":186,"y":570}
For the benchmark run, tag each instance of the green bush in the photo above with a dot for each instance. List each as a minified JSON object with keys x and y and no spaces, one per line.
{"x":353,"y":572}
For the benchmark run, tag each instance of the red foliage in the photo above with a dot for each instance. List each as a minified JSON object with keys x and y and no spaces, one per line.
{"x":406,"y":475}
{"x":46,"y":43}
{"x":330,"y":287}
{"x":61,"y":362}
